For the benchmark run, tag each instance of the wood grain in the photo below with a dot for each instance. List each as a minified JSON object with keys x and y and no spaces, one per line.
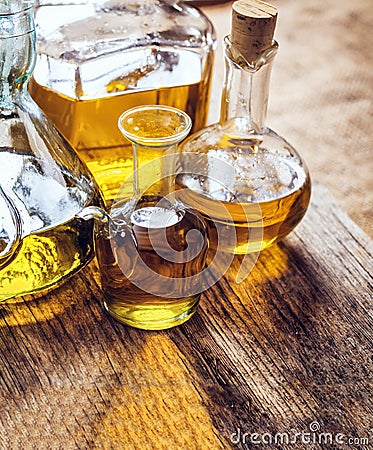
{"x":289,"y":346}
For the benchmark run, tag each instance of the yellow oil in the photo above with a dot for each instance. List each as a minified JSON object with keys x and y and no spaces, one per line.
{"x":90,"y":125}
{"x":130,"y":263}
{"x":46,"y":258}
{"x":246,"y":227}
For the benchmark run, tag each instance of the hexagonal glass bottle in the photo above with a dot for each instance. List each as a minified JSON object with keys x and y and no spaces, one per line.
{"x":98,"y":58}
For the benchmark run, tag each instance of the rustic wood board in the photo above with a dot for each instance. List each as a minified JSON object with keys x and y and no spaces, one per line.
{"x":288,"y":349}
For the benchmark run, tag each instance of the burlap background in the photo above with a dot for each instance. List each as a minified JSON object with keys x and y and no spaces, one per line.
{"x":321,"y":92}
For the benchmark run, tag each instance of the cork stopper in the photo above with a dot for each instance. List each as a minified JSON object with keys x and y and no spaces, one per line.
{"x":253,"y":27}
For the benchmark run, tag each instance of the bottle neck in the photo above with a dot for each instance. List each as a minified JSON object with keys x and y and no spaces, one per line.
{"x":246,"y":89}
{"x":155,"y":131}
{"x":154,"y":171}
{"x":17,"y":49}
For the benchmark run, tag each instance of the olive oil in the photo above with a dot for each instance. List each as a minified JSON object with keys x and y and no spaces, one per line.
{"x":241,"y":227}
{"x":89,"y":121}
{"x":148,"y":272}
{"x":45,"y":258}
{"x":98,"y":59}
{"x":52,"y":242}
{"x":43,"y":184}
{"x":249,"y":183}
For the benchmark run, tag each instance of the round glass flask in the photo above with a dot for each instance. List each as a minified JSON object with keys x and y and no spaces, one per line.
{"x":43,"y":184}
{"x":244,"y":166}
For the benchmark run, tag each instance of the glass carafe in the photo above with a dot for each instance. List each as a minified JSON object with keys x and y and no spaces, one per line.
{"x":43,"y":184}
{"x":152,"y":251}
{"x":249,"y":182}
{"x":98,"y":58}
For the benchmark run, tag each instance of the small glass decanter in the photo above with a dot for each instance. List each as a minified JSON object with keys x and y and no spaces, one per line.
{"x":43,"y":184}
{"x":249,"y":182}
{"x":152,"y":257}
{"x":98,"y":58}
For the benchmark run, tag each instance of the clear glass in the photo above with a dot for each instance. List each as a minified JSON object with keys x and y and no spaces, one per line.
{"x":152,"y":256}
{"x":249,"y":181}
{"x":43,"y":184}
{"x":98,"y":58}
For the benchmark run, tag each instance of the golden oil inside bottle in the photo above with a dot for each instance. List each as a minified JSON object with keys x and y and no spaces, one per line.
{"x":89,"y":123}
{"x":46,"y":258}
{"x":153,"y":256}
{"x":245,"y":227}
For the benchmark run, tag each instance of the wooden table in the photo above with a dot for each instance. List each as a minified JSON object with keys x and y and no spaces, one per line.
{"x":287,"y":351}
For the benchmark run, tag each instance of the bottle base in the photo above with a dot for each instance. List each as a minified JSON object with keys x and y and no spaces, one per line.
{"x":153,"y":317}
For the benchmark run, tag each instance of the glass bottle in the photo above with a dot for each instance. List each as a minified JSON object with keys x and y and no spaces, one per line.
{"x":249,"y":182}
{"x":153,"y":256}
{"x":43,"y":184}
{"x":98,"y":58}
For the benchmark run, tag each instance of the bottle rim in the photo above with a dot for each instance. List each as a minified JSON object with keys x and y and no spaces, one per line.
{"x":178,"y":125}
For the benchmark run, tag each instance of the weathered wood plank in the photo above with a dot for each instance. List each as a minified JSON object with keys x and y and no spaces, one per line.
{"x":290,"y":346}
{"x":293,"y":344}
